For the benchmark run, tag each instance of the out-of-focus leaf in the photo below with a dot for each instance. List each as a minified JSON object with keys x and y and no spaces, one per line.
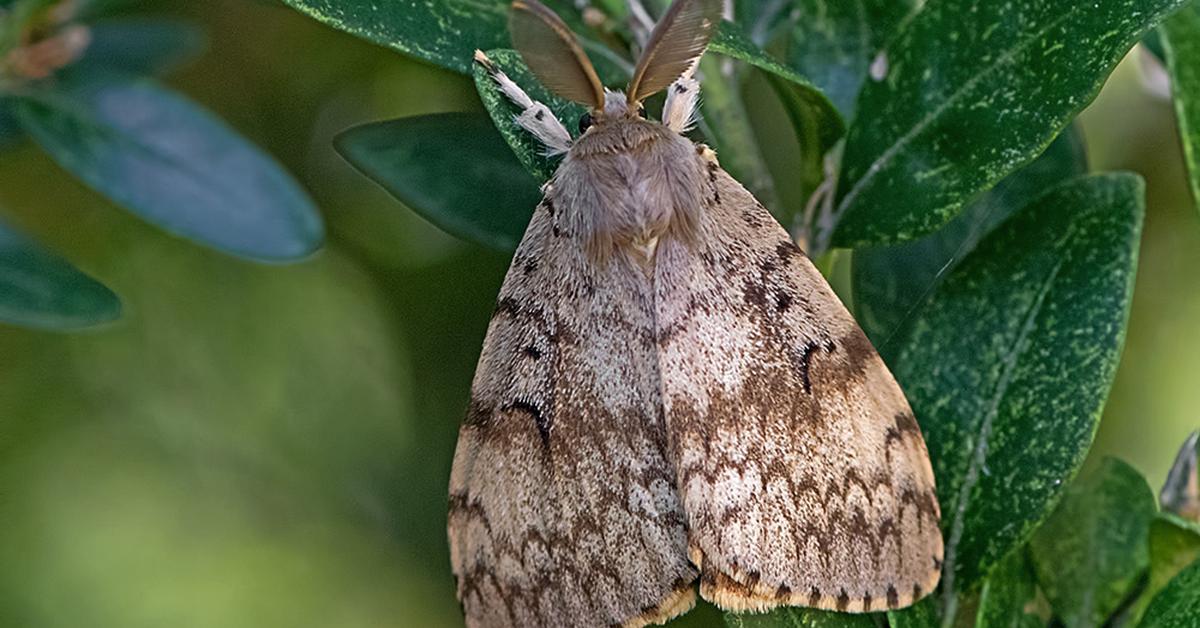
{"x":974,"y":89}
{"x":445,"y":33}
{"x":143,"y":45}
{"x":1174,"y":544}
{"x":1178,"y":605}
{"x":453,"y":168}
{"x":834,"y":43}
{"x":41,"y":290}
{"x":1022,"y":339}
{"x":1181,"y":492}
{"x":174,"y":164}
{"x":1181,"y":45}
{"x":816,"y":119}
{"x":528,"y":150}
{"x":1007,"y":594}
{"x":10,"y":130}
{"x":891,"y":283}
{"x":1093,"y":549}
{"x":923,"y":614}
{"x":798,"y":618}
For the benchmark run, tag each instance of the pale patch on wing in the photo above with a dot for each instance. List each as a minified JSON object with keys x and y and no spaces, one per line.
{"x":563,"y":508}
{"x":803,"y":475}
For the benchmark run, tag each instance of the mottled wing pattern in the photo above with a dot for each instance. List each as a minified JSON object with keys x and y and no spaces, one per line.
{"x":563,"y":508}
{"x":803,"y":474}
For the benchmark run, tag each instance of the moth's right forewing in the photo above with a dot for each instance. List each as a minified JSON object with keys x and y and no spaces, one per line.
{"x":803,"y":474}
{"x":563,"y":507}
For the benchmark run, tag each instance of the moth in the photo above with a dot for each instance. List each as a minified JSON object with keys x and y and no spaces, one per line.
{"x":669,"y":392}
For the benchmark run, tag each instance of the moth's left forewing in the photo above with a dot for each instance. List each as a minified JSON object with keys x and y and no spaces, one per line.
{"x":803,"y":475}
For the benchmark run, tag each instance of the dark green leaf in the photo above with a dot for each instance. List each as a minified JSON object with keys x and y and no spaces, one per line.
{"x":815,"y":117}
{"x":1174,"y":544}
{"x":975,"y":89}
{"x":1178,"y":605}
{"x":528,"y":150}
{"x":173,"y":164}
{"x":1181,"y":44}
{"x":1007,"y":594}
{"x":10,"y":130}
{"x":39,"y":289}
{"x":798,"y":618}
{"x":1093,"y":549}
{"x":445,"y":33}
{"x":1008,"y":366}
{"x":453,"y":168}
{"x":1180,"y":494}
{"x":892,"y":283}
{"x":834,"y":43}
{"x":143,"y":45}
{"x":923,"y":614}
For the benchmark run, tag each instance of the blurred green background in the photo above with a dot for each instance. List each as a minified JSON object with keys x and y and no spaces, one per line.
{"x":269,"y":446}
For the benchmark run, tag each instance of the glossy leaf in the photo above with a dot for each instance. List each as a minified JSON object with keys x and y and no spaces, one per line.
{"x":1174,"y":544}
{"x":834,"y":43}
{"x":1007,"y":594}
{"x":41,"y":290}
{"x":1181,"y":46}
{"x":891,"y":283}
{"x":143,"y":45}
{"x":798,"y":618}
{"x":445,"y":33}
{"x":923,"y":614}
{"x":816,"y":118}
{"x":974,"y":90}
{"x":1089,"y":554}
{"x":1178,"y":605}
{"x":453,"y":169}
{"x":1022,"y":339}
{"x":530,"y":153}
{"x":174,"y":164}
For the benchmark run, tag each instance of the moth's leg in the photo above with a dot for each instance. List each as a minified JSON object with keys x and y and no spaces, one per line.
{"x":683,"y":98}
{"x":535,"y":117}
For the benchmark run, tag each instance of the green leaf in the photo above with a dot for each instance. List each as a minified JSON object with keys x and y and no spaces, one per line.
{"x":974,"y":90}
{"x":143,"y":45}
{"x":1181,"y":46}
{"x":815,"y":117}
{"x":38,"y":289}
{"x":1178,"y":605}
{"x":528,"y":150}
{"x":174,"y":164}
{"x":1007,"y":594}
{"x":1174,"y":544}
{"x":1008,"y":367}
{"x":453,"y":169}
{"x":445,"y":33}
{"x":798,"y":618}
{"x":923,"y":614}
{"x":892,"y":283}
{"x":834,"y":43}
{"x":448,"y":32}
{"x":1093,"y":549}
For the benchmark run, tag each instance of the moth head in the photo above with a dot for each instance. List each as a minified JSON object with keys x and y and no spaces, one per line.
{"x":556,"y":58}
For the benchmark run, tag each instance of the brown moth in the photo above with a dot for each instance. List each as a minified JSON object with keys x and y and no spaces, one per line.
{"x":669,"y":392}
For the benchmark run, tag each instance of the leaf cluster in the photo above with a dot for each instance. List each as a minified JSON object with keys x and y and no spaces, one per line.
{"x":77,"y":79}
